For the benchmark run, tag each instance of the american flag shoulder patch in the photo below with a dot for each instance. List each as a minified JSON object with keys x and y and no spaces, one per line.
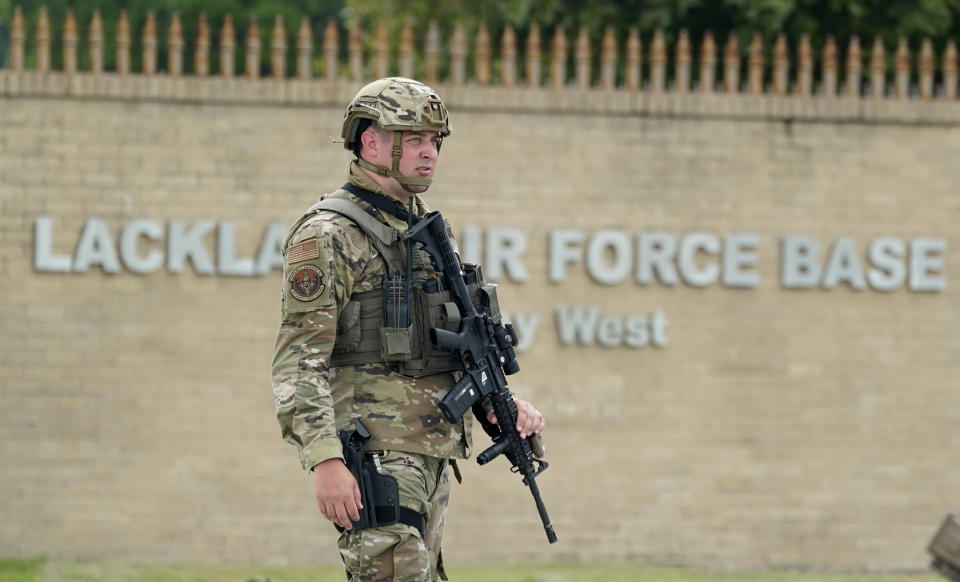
{"x":303,"y":251}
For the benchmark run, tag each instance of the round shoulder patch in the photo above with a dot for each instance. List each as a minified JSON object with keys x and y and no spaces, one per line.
{"x":306,"y":283}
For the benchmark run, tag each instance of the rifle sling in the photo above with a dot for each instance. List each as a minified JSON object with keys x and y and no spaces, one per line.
{"x":378,"y":201}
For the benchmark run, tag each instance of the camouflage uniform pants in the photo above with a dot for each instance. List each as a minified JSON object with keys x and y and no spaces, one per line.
{"x":397,"y":552}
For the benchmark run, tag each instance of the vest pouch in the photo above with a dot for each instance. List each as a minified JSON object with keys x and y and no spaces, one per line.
{"x":448,"y":316}
{"x":396,"y":343}
{"x":348,"y":328}
{"x":396,"y":340}
{"x":358,"y":331}
{"x":486,"y":301}
{"x":483,"y":294}
{"x":420,"y":313}
{"x":425,"y":311}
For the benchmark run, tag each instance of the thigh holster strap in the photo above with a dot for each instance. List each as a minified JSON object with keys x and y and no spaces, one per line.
{"x":406,"y":516}
{"x":410,"y":517}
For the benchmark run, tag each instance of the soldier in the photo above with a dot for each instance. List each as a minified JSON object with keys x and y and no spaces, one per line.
{"x":340,"y":358}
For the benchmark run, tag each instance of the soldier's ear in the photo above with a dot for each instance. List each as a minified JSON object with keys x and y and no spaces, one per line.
{"x":371,"y":143}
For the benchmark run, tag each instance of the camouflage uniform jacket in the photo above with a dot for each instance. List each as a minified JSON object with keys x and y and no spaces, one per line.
{"x":313,"y":400}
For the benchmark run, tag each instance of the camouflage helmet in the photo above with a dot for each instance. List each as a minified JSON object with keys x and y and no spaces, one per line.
{"x":395,"y":104}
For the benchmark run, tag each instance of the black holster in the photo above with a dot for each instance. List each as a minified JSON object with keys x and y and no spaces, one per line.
{"x":379,"y":493}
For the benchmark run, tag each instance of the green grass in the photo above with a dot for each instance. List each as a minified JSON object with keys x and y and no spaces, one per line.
{"x":42,"y":570}
{"x":627,"y":573}
{"x":21,"y":570}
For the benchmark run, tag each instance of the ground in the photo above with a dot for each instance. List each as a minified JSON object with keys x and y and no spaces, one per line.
{"x":51,"y":570}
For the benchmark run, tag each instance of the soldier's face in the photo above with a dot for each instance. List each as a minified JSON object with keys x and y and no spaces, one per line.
{"x":420,"y":154}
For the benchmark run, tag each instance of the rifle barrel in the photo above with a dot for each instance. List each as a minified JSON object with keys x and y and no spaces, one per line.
{"x":542,"y":510}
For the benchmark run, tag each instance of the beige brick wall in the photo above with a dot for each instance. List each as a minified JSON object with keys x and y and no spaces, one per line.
{"x":777,"y":427}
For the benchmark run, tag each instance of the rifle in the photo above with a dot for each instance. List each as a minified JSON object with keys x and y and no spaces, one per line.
{"x":486,"y":350}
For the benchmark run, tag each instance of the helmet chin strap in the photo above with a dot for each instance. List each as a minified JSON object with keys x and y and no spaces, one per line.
{"x":406,"y":181}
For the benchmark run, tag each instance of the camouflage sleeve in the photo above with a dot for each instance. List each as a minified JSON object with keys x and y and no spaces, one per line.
{"x":317,"y":281}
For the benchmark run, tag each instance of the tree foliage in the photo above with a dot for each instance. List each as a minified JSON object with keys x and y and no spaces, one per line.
{"x":869,"y":19}
{"x":888,"y":19}
{"x":241,"y":11}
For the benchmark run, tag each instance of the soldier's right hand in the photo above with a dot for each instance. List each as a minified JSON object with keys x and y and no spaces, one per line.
{"x":338,"y":495}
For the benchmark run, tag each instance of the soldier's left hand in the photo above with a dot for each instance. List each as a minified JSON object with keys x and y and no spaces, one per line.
{"x":529,"y":419}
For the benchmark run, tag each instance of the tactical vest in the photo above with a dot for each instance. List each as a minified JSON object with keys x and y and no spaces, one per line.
{"x":364,"y":335}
